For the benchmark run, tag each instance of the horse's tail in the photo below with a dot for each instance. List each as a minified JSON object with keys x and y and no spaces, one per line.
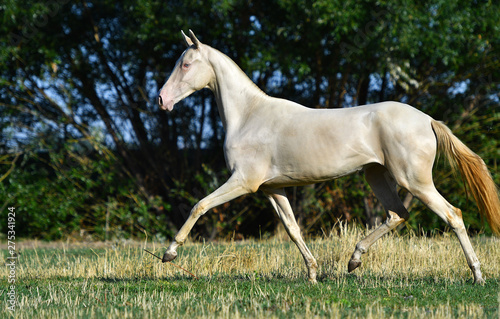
{"x":474,"y":172}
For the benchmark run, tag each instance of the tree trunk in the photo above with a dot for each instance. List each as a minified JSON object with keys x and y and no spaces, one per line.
{"x":362,"y":91}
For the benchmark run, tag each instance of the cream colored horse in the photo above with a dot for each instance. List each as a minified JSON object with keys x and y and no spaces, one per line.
{"x":273,"y":143}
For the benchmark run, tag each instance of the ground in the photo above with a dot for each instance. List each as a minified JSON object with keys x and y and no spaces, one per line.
{"x":402,"y":276}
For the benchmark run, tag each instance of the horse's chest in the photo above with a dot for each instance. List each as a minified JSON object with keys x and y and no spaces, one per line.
{"x":247,"y":150}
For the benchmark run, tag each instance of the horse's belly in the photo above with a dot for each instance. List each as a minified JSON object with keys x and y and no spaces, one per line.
{"x":322,"y":153}
{"x":292,"y":179}
{"x":308,"y":168}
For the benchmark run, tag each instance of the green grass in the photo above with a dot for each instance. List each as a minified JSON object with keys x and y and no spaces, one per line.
{"x":401,"y":277}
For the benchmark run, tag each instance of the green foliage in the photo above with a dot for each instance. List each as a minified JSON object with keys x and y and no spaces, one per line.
{"x":81,"y":193}
{"x":71,"y":69}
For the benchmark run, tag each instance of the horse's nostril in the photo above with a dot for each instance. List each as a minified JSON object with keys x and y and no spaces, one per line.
{"x":160,"y":101}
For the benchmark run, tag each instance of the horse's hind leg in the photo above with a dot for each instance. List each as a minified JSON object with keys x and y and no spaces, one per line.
{"x":384,"y":187}
{"x":453,"y":217}
{"x":284,"y":210}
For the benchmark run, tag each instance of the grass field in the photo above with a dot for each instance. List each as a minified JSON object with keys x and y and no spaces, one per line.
{"x":401,"y":277}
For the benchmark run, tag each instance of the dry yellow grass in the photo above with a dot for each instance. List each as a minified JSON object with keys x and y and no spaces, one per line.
{"x":122,"y":280}
{"x":402,"y":256}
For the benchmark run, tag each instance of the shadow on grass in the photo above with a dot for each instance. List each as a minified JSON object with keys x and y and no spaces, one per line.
{"x":323,"y":279}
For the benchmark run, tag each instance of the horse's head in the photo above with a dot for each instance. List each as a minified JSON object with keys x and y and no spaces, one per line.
{"x":191,"y":73}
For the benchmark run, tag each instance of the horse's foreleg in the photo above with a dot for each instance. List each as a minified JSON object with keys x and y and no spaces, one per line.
{"x":384,"y":187}
{"x":232,"y":189}
{"x":284,"y":210}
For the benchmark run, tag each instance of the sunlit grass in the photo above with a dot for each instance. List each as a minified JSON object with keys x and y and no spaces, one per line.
{"x":401,"y":276}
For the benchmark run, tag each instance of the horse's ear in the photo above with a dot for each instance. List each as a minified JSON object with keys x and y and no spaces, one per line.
{"x":194,"y":40}
{"x":187,"y":39}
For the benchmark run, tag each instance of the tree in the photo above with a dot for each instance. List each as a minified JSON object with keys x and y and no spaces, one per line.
{"x":90,"y":71}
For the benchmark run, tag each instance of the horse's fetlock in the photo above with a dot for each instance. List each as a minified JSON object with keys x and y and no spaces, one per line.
{"x":457,"y":225}
{"x":178,"y":241}
{"x":362,"y":249}
{"x":475,"y":266}
{"x":312,"y":264}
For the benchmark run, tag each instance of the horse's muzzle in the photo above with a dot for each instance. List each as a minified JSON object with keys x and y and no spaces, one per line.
{"x":167,"y":105}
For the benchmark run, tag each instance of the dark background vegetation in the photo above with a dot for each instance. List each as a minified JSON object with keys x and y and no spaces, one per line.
{"x":86,"y":153}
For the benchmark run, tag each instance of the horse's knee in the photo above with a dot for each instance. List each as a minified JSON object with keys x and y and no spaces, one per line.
{"x":198,"y":210}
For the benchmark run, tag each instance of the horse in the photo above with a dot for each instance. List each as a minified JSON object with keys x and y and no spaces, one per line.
{"x":272,"y":143}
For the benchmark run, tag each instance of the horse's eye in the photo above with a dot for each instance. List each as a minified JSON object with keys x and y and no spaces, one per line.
{"x":185,"y":65}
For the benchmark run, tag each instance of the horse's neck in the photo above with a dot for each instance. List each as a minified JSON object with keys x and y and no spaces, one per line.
{"x":235,"y":93}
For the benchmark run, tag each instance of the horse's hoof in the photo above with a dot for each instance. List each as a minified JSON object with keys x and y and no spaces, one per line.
{"x":353,"y":264}
{"x":169,"y":256}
